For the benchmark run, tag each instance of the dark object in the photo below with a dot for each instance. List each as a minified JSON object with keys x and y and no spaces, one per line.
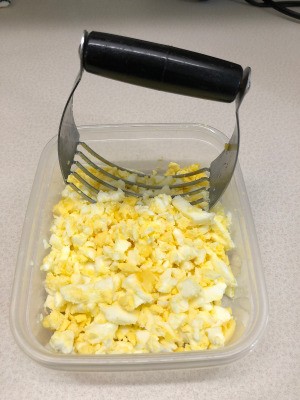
{"x":281,"y":6}
{"x":161,"y":67}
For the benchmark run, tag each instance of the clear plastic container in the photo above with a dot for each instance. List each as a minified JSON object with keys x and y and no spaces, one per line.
{"x":142,"y":147}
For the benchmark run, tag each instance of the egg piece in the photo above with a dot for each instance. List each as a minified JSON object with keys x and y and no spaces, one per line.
{"x":131,"y":283}
{"x":59,"y":301}
{"x":224,"y":232}
{"x":102,"y":265}
{"x":105,"y":284}
{"x":97,"y":333}
{"x":215,"y":336}
{"x":122,"y":348}
{"x":46,"y":244}
{"x":54,"y":320}
{"x":179,"y":304}
{"x":210,"y":294}
{"x":56,"y":242}
{"x":197,"y":215}
{"x":142,"y":337}
{"x":79,"y":239}
{"x":116,"y":315}
{"x":121,"y":246}
{"x":106,"y":287}
{"x":223,"y":270}
{"x":153,"y":344}
{"x":49,"y":303}
{"x":221,"y":315}
{"x":189,"y":288}
{"x":188,"y":265}
{"x":179,"y":237}
{"x":229,"y":329}
{"x":62,"y":341}
{"x":166,"y":282}
{"x":177,"y":320}
{"x":160,"y":203}
{"x":104,"y":197}
{"x":183,"y":253}
{"x":81,"y":293}
{"x":167,"y":346}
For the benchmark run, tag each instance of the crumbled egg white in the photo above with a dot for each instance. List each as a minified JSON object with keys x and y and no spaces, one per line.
{"x":137,"y":275}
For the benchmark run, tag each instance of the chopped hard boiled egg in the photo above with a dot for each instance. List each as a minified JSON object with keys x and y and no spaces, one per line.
{"x":62,"y":341}
{"x":137,"y":275}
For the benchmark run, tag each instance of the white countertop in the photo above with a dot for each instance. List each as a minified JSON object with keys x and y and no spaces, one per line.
{"x":38,"y":64}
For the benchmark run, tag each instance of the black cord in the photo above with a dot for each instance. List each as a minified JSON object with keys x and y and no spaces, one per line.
{"x":256,"y":3}
{"x":281,"y":6}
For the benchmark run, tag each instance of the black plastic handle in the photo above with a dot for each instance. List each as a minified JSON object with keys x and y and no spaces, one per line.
{"x":161,"y":67}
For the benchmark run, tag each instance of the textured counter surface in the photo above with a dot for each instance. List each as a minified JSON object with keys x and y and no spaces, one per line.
{"x":38,"y":64}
